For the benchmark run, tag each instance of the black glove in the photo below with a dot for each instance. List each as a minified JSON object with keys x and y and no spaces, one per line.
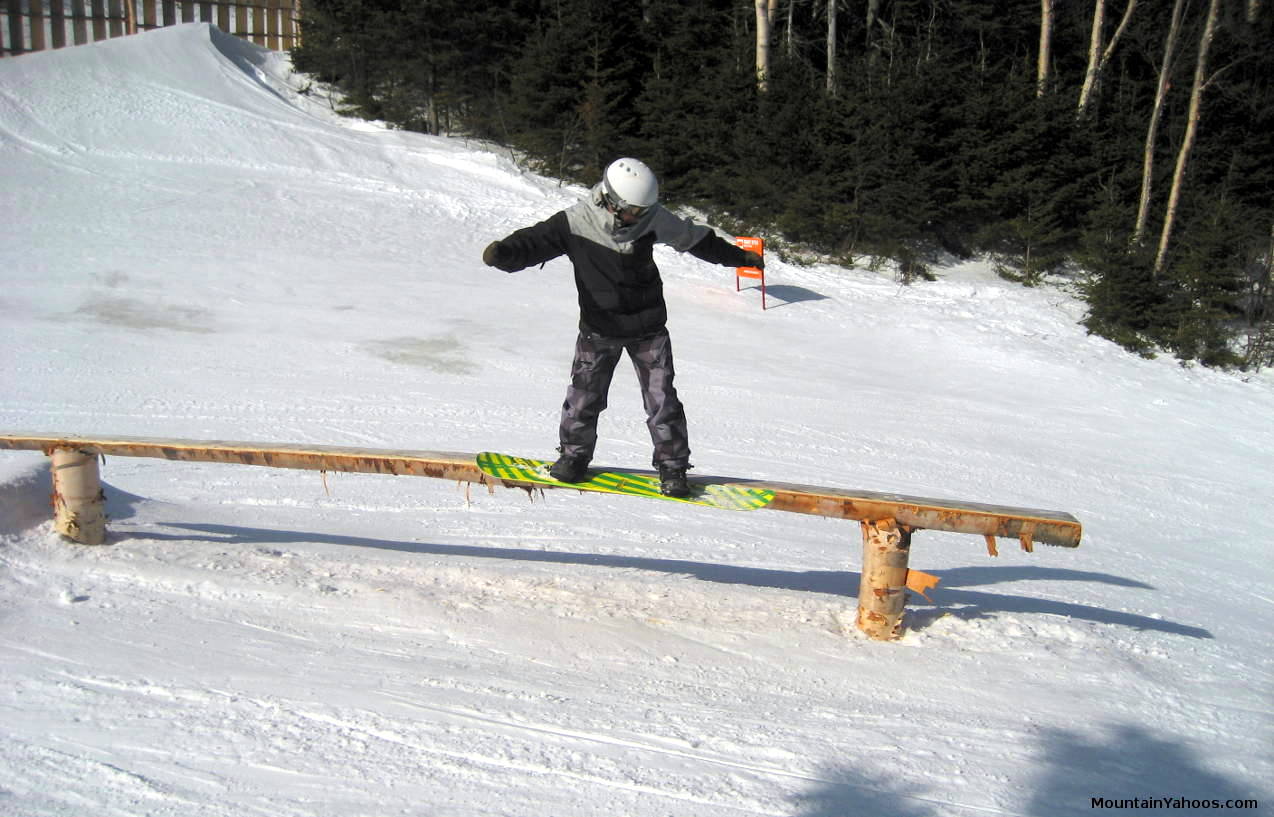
{"x":755,"y":260}
{"x":496,"y":255}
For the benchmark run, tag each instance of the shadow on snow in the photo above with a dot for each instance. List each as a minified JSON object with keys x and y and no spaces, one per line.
{"x":967,"y":603}
{"x":1113,"y":762}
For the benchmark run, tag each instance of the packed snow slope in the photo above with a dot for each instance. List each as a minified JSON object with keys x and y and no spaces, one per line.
{"x":196,"y":247}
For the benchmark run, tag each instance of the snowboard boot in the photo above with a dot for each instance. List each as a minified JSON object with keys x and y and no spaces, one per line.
{"x":569,"y":469}
{"x":673,"y":482}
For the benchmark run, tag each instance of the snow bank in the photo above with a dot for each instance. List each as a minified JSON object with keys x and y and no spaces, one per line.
{"x":196,"y":248}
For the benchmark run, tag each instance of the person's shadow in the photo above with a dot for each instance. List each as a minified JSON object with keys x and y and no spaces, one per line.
{"x":1096,"y":768}
{"x":1105,"y":769}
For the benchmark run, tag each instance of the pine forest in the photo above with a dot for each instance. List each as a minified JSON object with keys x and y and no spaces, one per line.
{"x":1123,"y":147}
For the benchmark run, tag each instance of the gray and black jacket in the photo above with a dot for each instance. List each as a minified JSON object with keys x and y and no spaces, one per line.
{"x":620,"y":292}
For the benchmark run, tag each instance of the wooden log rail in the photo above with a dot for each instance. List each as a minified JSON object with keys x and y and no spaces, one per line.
{"x":887,"y":520}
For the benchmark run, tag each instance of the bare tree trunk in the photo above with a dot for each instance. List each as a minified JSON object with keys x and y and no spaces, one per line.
{"x":1263,"y":287}
{"x":1094,"y":55}
{"x":929,"y":28}
{"x":882,"y":587}
{"x":1114,"y":38}
{"x":1152,"y":132}
{"x":772,"y":19}
{"x":1097,"y":57}
{"x":1192,"y":131}
{"x":435,"y":122}
{"x":1266,"y":289}
{"x":1119,"y":32}
{"x":831,"y":47}
{"x":763,"y":20}
{"x":789,"y":43}
{"x":1046,"y":47}
{"x":1259,"y":311}
{"x":77,"y":497}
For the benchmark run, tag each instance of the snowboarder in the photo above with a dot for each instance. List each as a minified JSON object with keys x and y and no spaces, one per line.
{"x":609,"y":238}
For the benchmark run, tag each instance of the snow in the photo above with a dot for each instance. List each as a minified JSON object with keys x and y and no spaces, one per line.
{"x":195,"y":247}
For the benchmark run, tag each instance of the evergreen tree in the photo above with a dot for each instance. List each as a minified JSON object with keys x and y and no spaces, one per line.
{"x":1206,"y":284}
{"x":1040,"y":179}
{"x":575,"y":84}
{"x":697,"y":97}
{"x":1124,"y":298}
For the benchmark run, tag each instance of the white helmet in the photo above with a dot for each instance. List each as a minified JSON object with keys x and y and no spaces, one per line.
{"x":629,"y":183}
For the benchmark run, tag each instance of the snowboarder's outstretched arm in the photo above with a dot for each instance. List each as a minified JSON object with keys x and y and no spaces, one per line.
{"x":530,"y":245}
{"x":684,"y":235}
{"x":716,"y":250}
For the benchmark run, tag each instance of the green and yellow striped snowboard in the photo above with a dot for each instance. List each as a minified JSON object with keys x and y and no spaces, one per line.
{"x":536,"y":472}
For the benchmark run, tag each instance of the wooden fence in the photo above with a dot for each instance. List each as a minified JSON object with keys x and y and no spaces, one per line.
{"x":34,"y":25}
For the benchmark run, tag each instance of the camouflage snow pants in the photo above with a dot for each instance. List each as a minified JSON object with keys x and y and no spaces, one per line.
{"x":591,"y":372}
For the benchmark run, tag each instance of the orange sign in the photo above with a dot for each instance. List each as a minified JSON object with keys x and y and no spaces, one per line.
{"x":756,"y":245}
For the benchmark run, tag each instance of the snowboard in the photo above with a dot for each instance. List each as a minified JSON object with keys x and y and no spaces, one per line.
{"x":520,"y":469}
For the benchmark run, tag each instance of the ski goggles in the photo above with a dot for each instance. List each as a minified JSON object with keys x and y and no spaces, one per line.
{"x":620,"y":207}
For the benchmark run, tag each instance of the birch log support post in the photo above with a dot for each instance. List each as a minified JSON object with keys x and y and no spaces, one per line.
{"x":882,"y":591}
{"x":78,"y":503}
